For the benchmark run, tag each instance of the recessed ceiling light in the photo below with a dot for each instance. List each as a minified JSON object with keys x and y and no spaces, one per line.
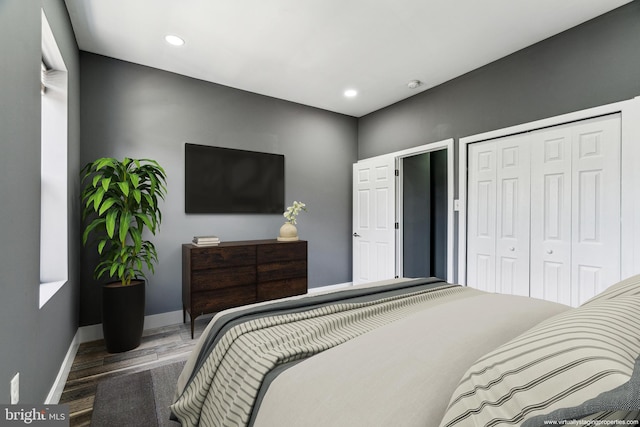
{"x":350,"y":93}
{"x":174,"y":40}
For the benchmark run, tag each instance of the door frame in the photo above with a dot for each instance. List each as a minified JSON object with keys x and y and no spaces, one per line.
{"x":448,"y":145}
{"x":629,"y":168}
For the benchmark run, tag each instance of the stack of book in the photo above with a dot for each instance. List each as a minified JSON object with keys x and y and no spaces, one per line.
{"x":206,"y":241}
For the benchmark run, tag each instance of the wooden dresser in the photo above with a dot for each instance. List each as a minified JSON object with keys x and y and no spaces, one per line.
{"x":231,"y":274}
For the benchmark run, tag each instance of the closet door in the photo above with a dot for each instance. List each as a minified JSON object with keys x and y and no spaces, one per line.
{"x":595,"y":207}
{"x":575,"y":210}
{"x":551,"y":215}
{"x":498,"y":230}
{"x":512,"y":228}
{"x":482,"y":207}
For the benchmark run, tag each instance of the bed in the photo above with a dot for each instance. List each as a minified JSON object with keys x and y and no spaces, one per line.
{"x":416,"y":352}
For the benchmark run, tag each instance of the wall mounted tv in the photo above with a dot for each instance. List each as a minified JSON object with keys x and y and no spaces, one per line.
{"x":225,"y":180}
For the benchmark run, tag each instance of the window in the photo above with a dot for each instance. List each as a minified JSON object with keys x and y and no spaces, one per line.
{"x":54,"y":236}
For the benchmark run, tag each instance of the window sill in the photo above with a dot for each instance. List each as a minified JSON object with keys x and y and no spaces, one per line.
{"x":48,"y":290}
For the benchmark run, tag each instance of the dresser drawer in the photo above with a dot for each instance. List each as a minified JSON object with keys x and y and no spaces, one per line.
{"x":222,"y":256}
{"x":281,"y":252}
{"x":221,"y":299}
{"x":205,"y":280}
{"x":282,"y":288}
{"x":281,"y":270}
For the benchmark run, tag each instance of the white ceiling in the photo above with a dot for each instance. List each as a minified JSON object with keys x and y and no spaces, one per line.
{"x":310,"y":51}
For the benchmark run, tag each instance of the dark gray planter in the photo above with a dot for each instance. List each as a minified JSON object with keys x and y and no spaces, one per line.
{"x":123,"y":315}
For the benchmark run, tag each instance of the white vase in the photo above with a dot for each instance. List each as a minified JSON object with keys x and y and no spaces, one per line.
{"x":288,"y":233}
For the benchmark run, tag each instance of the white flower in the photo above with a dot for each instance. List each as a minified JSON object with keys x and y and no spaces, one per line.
{"x":292,"y":211}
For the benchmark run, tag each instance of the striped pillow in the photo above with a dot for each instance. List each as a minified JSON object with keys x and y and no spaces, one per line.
{"x":560,"y":363}
{"x":628,"y":286}
{"x":621,"y":403}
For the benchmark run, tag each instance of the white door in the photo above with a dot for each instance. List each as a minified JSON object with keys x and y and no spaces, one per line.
{"x":481,"y":240}
{"x":595,"y":207}
{"x":374,"y":219}
{"x":498,"y":221}
{"x":551,"y":214}
{"x":512,"y":228}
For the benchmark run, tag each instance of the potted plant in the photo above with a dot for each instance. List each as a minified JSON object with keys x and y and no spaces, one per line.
{"x":120,"y":200}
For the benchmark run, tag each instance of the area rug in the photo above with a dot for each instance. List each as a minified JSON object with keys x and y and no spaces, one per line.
{"x":139,"y":399}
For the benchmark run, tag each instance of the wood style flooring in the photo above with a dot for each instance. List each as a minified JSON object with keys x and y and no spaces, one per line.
{"x":93,"y":364}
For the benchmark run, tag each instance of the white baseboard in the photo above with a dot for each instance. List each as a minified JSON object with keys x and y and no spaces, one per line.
{"x":330,"y":287}
{"x":162,"y":319}
{"x":58,"y":385}
{"x":90,"y":333}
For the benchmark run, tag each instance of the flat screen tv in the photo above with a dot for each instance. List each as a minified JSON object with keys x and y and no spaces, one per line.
{"x":225,"y":180}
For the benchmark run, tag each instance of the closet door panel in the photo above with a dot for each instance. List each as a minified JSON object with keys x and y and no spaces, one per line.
{"x":551,"y":215}
{"x":595,"y":206}
{"x":512,"y":221}
{"x":481,"y":231}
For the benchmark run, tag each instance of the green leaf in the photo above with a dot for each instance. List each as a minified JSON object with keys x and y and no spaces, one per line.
{"x":154,"y":183}
{"x":104,"y":162}
{"x":135,"y":179}
{"x":95,"y":223}
{"x":146,"y":220}
{"x":105,"y":183}
{"x":96,"y":178}
{"x":112,"y":216}
{"x":101,"y":246}
{"x":125,"y":219}
{"x":137,"y":239}
{"x":99,"y":272}
{"x":137,"y":195}
{"x":97,"y":198}
{"x":106,"y":205}
{"x":124,"y":187}
{"x":88,"y":197}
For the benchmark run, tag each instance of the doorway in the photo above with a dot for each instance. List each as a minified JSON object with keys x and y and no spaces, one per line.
{"x":424,"y":214}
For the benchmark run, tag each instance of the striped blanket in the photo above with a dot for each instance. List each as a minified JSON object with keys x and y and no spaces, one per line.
{"x":243,"y":348}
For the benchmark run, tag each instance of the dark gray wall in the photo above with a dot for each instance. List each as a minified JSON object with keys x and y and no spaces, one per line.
{"x":136,"y":111}
{"x":593,"y":64}
{"x":33,"y":342}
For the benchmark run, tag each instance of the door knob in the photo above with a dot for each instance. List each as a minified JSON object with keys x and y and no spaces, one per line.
{"x":512,"y":249}
{"x":549,"y":251}
{"x":356,"y":235}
